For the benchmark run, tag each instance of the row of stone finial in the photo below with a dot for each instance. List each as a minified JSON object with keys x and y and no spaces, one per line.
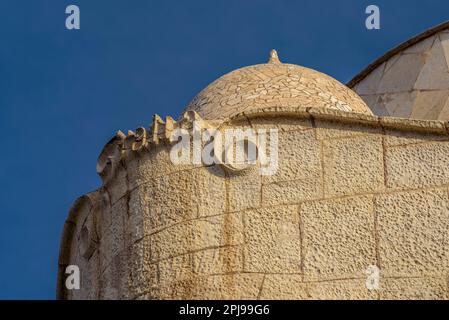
{"x":160,"y":132}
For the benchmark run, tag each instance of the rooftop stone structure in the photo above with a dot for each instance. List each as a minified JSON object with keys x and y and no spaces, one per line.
{"x":352,"y":190}
{"x":273,"y":84}
{"x":411,"y":80}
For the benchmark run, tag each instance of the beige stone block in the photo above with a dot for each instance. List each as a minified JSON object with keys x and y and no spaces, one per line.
{"x":338,"y":238}
{"x":200,"y":263}
{"x":230,"y":287}
{"x":284,"y":287}
{"x":170,"y":199}
{"x":299,"y":156}
{"x":142,"y":273}
{"x":272,"y":240}
{"x":292,"y":192}
{"x":179,"y":268}
{"x":394,"y":138}
{"x":177,"y":290}
{"x":197,"y":235}
{"x":353,"y":166}
{"x":330,"y":114}
{"x":413,"y":238}
{"x":353,"y":289}
{"x":245,"y":189}
{"x":182,"y":196}
{"x":218,"y":261}
{"x":153,"y":163}
{"x":209,"y":191}
{"x":291,"y":287}
{"x":107,"y":291}
{"x":333,"y":130}
{"x":281,"y":123}
{"x":418,"y":165}
{"x":414,"y":289}
{"x":402,"y":74}
{"x":435,"y":126}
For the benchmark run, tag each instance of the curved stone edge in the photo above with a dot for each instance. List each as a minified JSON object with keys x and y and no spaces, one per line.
{"x":392,"y":52}
{"x":430,"y":126}
{"x":216,"y":113}
{"x":121,"y":147}
{"x":67,"y":238}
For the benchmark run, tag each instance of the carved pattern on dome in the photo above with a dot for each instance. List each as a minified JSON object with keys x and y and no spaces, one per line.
{"x":274,"y":84}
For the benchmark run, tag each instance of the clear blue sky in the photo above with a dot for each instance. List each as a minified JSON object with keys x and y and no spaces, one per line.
{"x":64,"y":93}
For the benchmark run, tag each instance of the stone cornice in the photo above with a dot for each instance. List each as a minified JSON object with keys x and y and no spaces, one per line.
{"x":120,"y":147}
{"x":431,"y":126}
{"x":159,"y":133}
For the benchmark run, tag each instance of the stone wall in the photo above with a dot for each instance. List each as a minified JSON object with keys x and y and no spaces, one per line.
{"x":351,"y":191}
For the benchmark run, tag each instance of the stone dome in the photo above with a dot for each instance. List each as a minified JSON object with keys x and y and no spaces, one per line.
{"x":274,"y":84}
{"x":411,"y":80}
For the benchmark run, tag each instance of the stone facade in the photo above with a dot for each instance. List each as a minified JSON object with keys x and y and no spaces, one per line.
{"x":352,"y":190}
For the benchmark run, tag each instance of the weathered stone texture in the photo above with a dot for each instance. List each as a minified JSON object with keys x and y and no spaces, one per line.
{"x":272,"y":241}
{"x":414,"y":289}
{"x":244,"y":190}
{"x":413,"y":233}
{"x":346,"y":197}
{"x":353,"y":166}
{"x":273,"y":84}
{"x":338,"y":238}
{"x":196,"y":235}
{"x":352,"y":191}
{"x":418,"y":166}
{"x":291,"y":287}
{"x":288,"y":192}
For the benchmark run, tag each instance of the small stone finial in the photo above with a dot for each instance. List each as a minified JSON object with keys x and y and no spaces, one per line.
{"x":274,"y":57}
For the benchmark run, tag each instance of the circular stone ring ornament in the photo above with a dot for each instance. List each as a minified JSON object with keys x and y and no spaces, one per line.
{"x":233,"y":162}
